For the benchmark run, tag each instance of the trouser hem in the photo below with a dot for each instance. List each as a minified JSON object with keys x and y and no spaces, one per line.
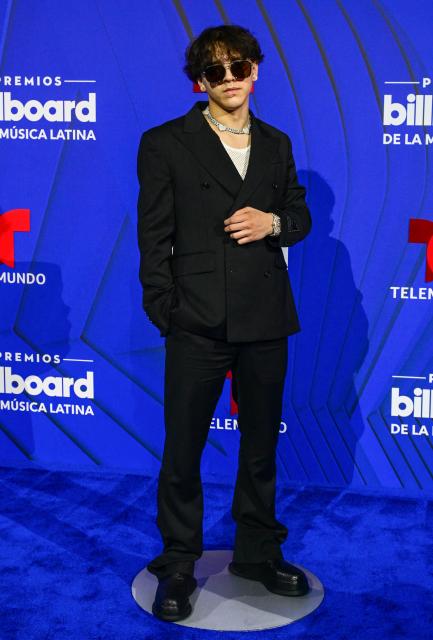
{"x":170,"y":568}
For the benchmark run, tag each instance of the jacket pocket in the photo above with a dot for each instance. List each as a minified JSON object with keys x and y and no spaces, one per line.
{"x":199,"y":262}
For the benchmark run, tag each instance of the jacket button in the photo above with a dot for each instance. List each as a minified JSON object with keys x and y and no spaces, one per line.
{"x":274,"y":185}
{"x":267,"y":274}
{"x":205,"y":185}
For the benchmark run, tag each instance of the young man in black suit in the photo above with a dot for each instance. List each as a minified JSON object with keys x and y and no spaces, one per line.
{"x":219,"y":197}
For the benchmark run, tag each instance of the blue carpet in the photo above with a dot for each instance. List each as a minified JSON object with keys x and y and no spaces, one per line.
{"x":71,"y":544}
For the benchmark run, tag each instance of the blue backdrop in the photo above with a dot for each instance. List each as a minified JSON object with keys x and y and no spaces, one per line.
{"x":81,"y":367}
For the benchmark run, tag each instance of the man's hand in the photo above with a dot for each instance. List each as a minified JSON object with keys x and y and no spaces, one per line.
{"x":248,"y":224}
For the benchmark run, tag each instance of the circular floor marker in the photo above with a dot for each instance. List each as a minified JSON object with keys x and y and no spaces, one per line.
{"x":224,"y":602}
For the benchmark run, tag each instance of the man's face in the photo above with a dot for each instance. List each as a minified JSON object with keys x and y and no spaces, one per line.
{"x":230,"y":93}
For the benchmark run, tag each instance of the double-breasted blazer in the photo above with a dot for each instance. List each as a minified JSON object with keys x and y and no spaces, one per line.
{"x":192,"y":273}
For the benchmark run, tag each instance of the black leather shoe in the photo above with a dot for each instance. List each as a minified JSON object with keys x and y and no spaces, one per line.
{"x":171,"y":598}
{"x":278,"y":576}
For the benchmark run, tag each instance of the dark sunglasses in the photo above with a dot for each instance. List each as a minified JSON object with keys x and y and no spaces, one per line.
{"x":240,"y":69}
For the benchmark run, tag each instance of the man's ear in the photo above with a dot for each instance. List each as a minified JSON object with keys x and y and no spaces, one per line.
{"x":200,"y":84}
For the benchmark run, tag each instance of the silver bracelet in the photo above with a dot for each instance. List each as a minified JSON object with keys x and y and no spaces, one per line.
{"x":276,"y":225}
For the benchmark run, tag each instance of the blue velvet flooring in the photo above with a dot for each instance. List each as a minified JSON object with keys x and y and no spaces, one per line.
{"x":71,"y":544}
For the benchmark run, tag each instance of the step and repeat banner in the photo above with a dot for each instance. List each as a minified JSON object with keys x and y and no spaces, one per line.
{"x":81,"y":367}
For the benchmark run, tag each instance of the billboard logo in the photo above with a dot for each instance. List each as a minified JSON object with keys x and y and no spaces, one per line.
{"x":11,"y":222}
{"x":416,"y":112}
{"x":53,"y":110}
{"x":421,"y":232}
{"x":408,"y":116}
{"x":417,"y":405}
{"x":54,"y":386}
{"x":420,"y":406}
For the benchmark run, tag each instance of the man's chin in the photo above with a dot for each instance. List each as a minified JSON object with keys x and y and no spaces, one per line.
{"x":230,"y":102}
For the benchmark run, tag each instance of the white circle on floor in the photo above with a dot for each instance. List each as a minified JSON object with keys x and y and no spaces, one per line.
{"x":224,"y":602}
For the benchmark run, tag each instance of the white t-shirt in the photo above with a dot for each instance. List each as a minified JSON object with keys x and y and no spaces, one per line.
{"x":240,"y":157}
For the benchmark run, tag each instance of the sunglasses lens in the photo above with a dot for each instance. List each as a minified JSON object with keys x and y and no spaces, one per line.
{"x":215,"y":73}
{"x":241,"y":69}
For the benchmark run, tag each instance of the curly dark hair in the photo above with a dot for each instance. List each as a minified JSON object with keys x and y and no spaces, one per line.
{"x":233,"y":39}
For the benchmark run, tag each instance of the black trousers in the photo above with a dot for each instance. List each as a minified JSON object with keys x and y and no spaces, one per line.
{"x":195,"y":371}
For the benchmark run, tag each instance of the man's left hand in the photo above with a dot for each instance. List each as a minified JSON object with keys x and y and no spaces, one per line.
{"x":248,"y":224}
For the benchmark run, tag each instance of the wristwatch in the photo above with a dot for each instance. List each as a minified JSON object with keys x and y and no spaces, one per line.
{"x":276,"y":225}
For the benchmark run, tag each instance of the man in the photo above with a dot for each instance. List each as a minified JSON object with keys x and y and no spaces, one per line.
{"x":218,"y":199}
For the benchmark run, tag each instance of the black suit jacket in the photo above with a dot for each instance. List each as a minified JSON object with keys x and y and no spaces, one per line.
{"x":192,"y":273}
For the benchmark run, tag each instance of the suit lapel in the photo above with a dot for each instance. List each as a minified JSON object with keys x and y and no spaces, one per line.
{"x":207,"y":148}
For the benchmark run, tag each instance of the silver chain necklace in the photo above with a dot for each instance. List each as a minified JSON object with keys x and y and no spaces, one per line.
{"x":223,"y":127}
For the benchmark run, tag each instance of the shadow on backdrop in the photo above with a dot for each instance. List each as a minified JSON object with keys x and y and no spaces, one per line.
{"x":34,"y":320}
{"x":332,"y":345}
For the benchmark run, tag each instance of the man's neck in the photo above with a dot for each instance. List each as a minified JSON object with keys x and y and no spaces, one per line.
{"x":237,"y":118}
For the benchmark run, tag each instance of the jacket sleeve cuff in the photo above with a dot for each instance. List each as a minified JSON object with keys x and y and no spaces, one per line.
{"x":288,"y":228}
